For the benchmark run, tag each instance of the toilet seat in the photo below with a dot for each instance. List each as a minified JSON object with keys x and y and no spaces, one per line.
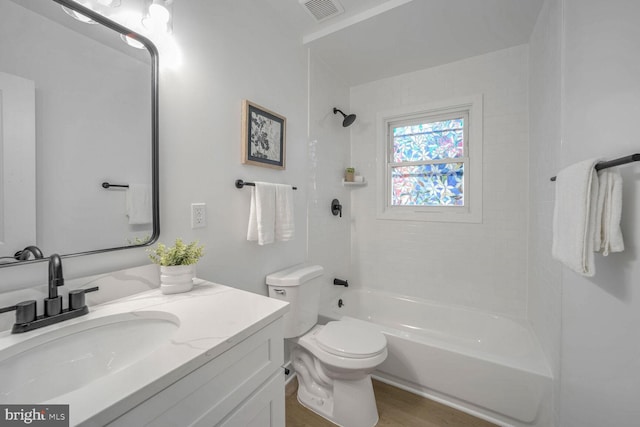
{"x":348,"y":339}
{"x":338,"y":359}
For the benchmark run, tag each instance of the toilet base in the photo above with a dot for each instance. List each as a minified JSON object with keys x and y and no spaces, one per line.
{"x":351,"y":403}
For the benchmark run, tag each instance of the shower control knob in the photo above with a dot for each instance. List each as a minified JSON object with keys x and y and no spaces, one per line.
{"x":336,"y":207}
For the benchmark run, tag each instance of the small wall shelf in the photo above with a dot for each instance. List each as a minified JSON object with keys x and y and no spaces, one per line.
{"x":354,"y":183}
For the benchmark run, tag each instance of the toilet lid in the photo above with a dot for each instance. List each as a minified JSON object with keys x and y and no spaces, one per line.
{"x":349,"y":339}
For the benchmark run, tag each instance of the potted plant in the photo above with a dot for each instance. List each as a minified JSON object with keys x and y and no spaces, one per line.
{"x":177,"y":265}
{"x":349,"y":174}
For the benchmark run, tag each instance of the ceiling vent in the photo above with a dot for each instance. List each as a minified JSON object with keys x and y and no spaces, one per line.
{"x":322,"y":9}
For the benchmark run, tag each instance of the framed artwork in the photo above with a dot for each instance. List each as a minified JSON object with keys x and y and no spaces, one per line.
{"x":263,"y":136}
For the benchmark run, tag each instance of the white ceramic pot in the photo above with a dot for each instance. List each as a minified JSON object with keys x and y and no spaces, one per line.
{"x":177,"y":278}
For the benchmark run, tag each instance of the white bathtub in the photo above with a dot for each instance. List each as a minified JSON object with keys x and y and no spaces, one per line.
{"x":487,"y":365}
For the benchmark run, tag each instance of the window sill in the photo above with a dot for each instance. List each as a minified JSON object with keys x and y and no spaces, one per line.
{"x":434,"y":216}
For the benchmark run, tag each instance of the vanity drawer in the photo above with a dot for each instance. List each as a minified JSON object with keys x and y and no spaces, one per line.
{"x":210,"y":393}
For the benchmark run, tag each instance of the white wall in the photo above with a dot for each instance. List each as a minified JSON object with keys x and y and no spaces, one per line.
{"x":231,"y":50}
{"x":601,"y":315}
{"x":478,"y":265}
{"x":584,"y":90}
{"x":544,"y":273}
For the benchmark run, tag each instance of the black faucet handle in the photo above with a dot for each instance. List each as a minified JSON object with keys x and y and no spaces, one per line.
{"x":336,"y":207}
{"x":77,"y":299}
{"x":53,"y":306}
{"x":25,"y":311}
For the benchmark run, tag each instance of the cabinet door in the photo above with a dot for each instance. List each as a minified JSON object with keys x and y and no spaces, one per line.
{"x":265,"y":408}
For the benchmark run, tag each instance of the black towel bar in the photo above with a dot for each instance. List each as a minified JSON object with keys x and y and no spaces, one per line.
{"x":240,"y":183}
{"x":107,"y":185}
{"x":614,"y":162}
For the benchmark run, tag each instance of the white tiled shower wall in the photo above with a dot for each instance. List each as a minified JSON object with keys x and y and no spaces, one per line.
{"x":480,"y":265}
{"x":328,"y":152}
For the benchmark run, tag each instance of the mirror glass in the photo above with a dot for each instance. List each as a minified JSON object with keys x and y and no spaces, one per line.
{"x":78,"y":108}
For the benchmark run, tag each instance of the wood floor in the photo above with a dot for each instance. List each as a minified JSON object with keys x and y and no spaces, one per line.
{"x":395,"y":407}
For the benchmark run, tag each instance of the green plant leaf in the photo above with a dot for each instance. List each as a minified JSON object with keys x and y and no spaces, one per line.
{"x":178,"y":254}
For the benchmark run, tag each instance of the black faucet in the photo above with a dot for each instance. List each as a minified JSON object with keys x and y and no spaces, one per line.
{"x":340,"y":282}
{"x":26,"y":318}
{"x":53,"y":304}
{"x":29,"y":250}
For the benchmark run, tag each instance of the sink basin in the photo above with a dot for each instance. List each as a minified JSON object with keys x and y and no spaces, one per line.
{"x":68,"y":358}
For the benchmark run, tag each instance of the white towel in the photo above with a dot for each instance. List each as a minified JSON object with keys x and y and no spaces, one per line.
{"x":285,"y":226}
{"x":574,"y":217}
{"x":262,"y":214}
{"x":608,"y":235}
{"x":138,"y":200}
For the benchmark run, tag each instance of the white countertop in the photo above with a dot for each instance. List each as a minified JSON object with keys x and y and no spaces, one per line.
{"x":213,"y":318}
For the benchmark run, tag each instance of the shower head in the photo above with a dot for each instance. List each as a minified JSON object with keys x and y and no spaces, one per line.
{"x":348,"y":120}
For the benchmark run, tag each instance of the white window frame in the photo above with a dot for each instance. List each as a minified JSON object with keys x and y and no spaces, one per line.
{"x":471,"y":212}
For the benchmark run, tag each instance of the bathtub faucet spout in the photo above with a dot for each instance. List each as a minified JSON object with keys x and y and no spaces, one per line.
{"x":340,"y":282}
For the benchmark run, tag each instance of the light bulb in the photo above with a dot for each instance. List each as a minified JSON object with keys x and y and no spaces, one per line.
{"x":110,"y":3}
{"x":158,"y":19}
{"x":131,"y":41}
{"x":159,"y":12}
{"x":77,"y":15}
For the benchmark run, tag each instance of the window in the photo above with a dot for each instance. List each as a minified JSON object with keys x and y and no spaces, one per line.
{"x":428,"y":158}
{"x":432,"y":163}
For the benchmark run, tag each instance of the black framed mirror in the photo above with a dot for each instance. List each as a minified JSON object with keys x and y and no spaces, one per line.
{"x":78,"y":132}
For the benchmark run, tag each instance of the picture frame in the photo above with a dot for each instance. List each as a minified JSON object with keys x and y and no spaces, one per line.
{"x":264,"y":139}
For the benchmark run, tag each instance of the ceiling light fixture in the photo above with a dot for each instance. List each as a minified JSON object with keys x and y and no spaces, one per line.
{"x":153,"y":19}
{"x":82,"y":18}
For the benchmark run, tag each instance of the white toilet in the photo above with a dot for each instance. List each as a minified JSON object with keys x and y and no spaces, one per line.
{"x":333,"y":361}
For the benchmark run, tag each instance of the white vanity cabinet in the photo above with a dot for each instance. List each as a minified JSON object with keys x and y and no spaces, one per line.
{"x":209,"y":357}
{"x":244,"y":386}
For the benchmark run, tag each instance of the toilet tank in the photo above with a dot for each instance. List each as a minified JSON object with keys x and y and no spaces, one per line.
{"x":300,"y":287}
